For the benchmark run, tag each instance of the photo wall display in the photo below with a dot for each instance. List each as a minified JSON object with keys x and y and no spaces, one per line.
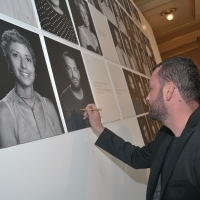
{"x":102,"y":48}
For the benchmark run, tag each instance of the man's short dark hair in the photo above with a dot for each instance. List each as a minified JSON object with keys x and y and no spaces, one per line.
{"x":184,"y":73}
{"x":67,"y":54}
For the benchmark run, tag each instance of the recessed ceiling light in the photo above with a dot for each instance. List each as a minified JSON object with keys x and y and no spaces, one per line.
{"x":168,"y":13}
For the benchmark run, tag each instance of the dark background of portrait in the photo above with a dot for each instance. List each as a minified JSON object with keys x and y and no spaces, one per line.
{"x":55,"y":51}
{"x":42,"y":83}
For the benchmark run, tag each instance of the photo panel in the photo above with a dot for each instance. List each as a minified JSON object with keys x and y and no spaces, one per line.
{"x":149,"y":64}
{"x":141,"y":92}
{"x":85,"y":27}
{"x":127,"y":46}
{"x":149,"y":48}
{"x":121,"y":90}
{"x":108,"y":12}
{"x":133,"y":92}
{"x":136,"y":14}
{"x":56,"y":21}
{"x":71,"y":81}
{"x":133,"y":11}
{"x":121,"y":2}
{"x":104,"y":35}
{"x":21,"y":10}
{"x":118,"y":16}
{"x":121,"y":24}
{"x":140,"y":59}
{"x":133,"y":31}
{"x":126,"y":19}
{"x":145,"y":63}
{"x":135,"y":55}
{"x":136,"y":33}
{"x":152,"y":126}
{"x":145,"y":84}
{"x":146,"y":134}
{"x":118,"y":44}
{"x":102,"y":88}
{"x":96,"y":4}
{"x":126,"y":6}
{"x":29,"y":111}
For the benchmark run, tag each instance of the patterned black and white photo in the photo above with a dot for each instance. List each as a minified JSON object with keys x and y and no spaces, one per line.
{"x":108,"y":12}
{"x":72,"y":83}
{"x":152,"y":126}
{"x":28,"y":107}
{"x":133,"y":92}
{"x":146,"y":134}
{"x":135,"y":55}
{"x":85,"y":26}
{"x":118,"y":15}
{"x":123,"y":59}
{"x":21,"y":10}
{"x":127,"y":6}
{"x":96,"y":4}
{"x":141,"y":92}
{"x":129,"y":53}
{"x":54,"y":17}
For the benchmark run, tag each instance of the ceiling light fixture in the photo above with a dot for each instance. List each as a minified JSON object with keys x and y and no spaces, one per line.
{"x":168,"y":13}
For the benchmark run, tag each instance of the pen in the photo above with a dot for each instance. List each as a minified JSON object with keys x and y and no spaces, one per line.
{"x":97,"y":109}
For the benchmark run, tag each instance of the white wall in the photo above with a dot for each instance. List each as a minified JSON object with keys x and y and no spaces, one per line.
{"x":70,"y":166}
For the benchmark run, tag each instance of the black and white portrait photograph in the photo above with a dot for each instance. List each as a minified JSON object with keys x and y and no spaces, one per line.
{"x":54,"y":17}
{"x":85,"y":26}
{"x":133,"y":35}
{"x":133,"y":92}
{"x":118,"y":15}
{"x":129,"y":53}
{"x":146,"y":134}
{"x":121,"y":2}
{"x":145,"y":83}
{"x":127,"y":22}
{"x":108,"y":12}
{"x":141,"y":92}
{"x":118,"y":44}
{"x":140,"y":59}
{"x":152,"y":126}
{"x":96,"y":4}
{"x":21,"y":10}
{"x":72,"y":83}
{"x":135,"y":55}
{"x":28,"y":106}
{"x":127,"y":6}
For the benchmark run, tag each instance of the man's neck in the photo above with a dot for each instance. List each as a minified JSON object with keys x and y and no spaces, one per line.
{"x":77,"y":93}
{"x":178,"y":119}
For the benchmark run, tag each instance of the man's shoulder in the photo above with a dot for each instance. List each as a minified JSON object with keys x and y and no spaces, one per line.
{"x":66,"y":92}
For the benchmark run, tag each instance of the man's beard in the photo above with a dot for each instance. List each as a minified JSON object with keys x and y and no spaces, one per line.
{"x":76,"y":86}
{"x":158,"y":110}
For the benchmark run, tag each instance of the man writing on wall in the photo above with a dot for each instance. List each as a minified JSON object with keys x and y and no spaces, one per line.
{"x":174,"y":155}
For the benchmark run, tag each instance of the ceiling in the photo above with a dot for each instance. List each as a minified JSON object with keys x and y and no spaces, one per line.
{"x":179,"y":37}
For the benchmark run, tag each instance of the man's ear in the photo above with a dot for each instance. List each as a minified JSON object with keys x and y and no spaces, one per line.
{"x":169,"y":90}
